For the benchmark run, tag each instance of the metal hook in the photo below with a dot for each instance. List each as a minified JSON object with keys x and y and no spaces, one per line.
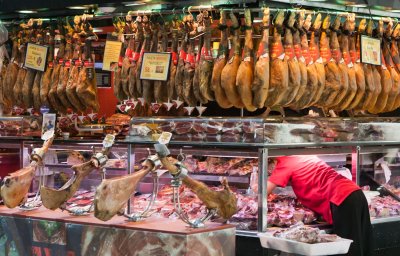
{"x":190,"y":7}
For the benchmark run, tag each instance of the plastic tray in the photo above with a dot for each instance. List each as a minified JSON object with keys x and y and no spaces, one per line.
{"x":341,"y":246}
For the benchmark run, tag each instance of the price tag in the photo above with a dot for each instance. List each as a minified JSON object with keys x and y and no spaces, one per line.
{"x":165,"y":138}
{"x":47,"y":135}
{"x":108,"y":140}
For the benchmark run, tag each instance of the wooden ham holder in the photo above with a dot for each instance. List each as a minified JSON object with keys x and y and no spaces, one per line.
{"x":221,"y":202}
{"x":16,"y":185}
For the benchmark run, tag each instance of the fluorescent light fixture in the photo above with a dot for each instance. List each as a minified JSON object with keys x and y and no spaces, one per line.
{"x":27,"y":11}
{"x":316,"y":0}
{"x":134,"y":3}
{"x":396,"y":10}
{"x":358,"y":5}
{"x":106,"y":9}
{"x":78,"y":7}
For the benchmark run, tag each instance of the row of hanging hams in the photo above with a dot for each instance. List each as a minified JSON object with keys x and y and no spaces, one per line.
{"x":68,"y":82}
{"x":302,"y":60}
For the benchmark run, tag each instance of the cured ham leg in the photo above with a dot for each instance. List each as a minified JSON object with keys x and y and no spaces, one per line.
{"x":195,"y":85}
{"x":303,"y":95}
{"x":160,"y":87}
{"x":293,"y":64}
{"x":261,"y":71}
{"x":74,"y":80}
{"x":279,"y":81}
{"x":52,"y":96}
{"x":394,"y":72}
{"x":191,"y":90}
{"x":381,"y":99}
{"x":368,"y":72}
{"x":206,"y":61}
{"x":113,"y":194}
{"x":223,"y":201}
{"x":139,"y":37}
{"x":16,"y":185}
{"x":245,"y":74}
{"x":220,"y":95}
{"x":229,"y":72}
{"x":87,"y":87}
{"x":355,"y":61}
{"x":333,"y":74}
{"x":316,"y":59}
{"x":20,"y":79}
{"x":172,"y":94}
{"x":180,"y":69}
{"x":56,"y":198}
{"x":11,"y":74}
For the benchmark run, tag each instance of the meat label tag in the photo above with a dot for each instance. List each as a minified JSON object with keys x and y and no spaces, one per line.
{"x":341,"y":61}
{"x":350,"y":65}
{"x":319,"y":60}
{"x":297,"y":51}
{"x":302,"y":59}
{"x":175,"y":58}
{"x":51,"y":64}
{"x":247,"y":59}
{"x":277,"y":50}
{"x":265,"y":55}
{"x":108,"y":140}
{"x":289,"y":52}
{"x":165,"y":138}
{"x":336,"y":55}
{"x":182,"y":55}
{"x":231,"y":60}
{"x":190,"y":59}
{"x":136,"y":56}
{"x":307,"y":56}
{"x":206,"y":53}
{"x":314,"y":52}
{"x":346,"y":57}
{"x":262,"y":49}
{"x":325,"y":54}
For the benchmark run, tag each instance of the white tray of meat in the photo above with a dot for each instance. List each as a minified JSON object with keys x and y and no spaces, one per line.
{"x":303,"y":240}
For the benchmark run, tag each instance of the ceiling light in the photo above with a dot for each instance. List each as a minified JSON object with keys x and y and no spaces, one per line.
{"x":358,"y":5}
{"x":106,"y":9}
{"x":316,"y":0}
{"x":78,"y":7}
{"x":395,"y":10}
{"x":27,"y":11}
{"x":134,"y":3}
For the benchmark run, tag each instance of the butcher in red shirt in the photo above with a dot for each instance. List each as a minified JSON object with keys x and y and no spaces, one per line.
{"x":320,"y":188}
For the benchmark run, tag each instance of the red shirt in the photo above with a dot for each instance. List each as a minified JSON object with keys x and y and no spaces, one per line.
{"x":314,"y":182}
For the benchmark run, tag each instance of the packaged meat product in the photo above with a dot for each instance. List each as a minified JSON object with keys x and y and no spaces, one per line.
{"x":213,"y":137}
{"x":166,"y":127}
{"x":213,"y":127}
{"x":199,"y":127}
{"x":228,"y":137}
{"x":232,"y":127}
{"x":183,"y":127}
{"x":199,"y":136}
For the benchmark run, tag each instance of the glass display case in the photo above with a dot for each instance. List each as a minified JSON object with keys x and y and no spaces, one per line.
{"x":26,"y":126}
{"x":206,"y":147}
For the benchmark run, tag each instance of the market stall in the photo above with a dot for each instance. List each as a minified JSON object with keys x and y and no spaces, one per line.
{"x":161,"y":120}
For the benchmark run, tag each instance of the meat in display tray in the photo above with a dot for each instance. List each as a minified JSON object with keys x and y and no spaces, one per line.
{"x":340,"y":246}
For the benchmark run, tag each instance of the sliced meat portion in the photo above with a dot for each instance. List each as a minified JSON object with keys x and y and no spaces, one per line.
{"x":229,"y":72}
{"x":261,"y":71}
{"x":279,"y":81}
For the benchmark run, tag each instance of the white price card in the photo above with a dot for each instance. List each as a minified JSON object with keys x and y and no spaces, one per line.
{"x":165,"y":138}
{"x":108,"y":140}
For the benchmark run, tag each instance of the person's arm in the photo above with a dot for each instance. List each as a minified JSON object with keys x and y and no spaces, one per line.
{"x":270,"y":187}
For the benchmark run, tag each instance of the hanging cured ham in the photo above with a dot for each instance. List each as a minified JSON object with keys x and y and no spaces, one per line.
{"x":206,"y":61}
{"x":302,"y":98}
{"x":355,"y":61}
{"x":279,"y":82}
{"x":316,"y":59}
{"x":261,"y":71}
{"x":332,"y":73}
{"x":220,"y":95}
{"x":228,"y":75}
